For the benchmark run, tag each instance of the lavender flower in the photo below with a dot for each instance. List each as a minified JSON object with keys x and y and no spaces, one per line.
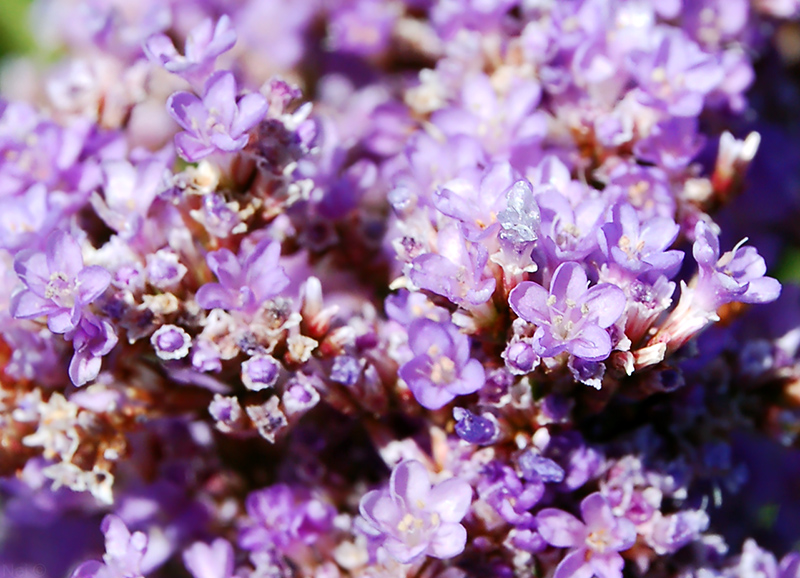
{"x":570,"y":317}
{"x":124,"y":553}
{"x":246,"y":281}
{"x":594,"y":543}
{"x":171,"y":342}
{"x":219,"y":122}
{"x":203,"y":45}
{"x":737,"y":275}
{"x":412,"y":519}
{"x":57,"y":284}
{"x":441,"y":368}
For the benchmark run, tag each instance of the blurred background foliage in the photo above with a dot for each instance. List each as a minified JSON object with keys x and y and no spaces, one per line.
{"x":15,"y":35}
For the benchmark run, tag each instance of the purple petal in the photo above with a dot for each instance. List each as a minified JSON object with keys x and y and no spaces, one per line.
{"x":607,"y":565}
{"x":425,"y":333}
{"x":569,"y":282}
{"x":84,"y":367}
{"x":252,"y":108}
{"x":560,"y":529}
{"x":64,"y":254}
{"x":529,"y":301}
{"x":90,"y":569}
{"x":451,"y":499}
{"x":220,"y":96}
{"x":63,"y":320}
{"x":380,"y":510}
{"x":28,"y":305}
{"x":471,"y":379}
{"x":214,"y":295}
{"x":92,"y":282}
{"x":761,"y":290}
{"x":226,"y":267}
{"x":410,"y":482}
{"x":596,"y":512}
{"x":575,"y":565}
{"x":190,"y":148}
{"x":606,"y":303}
{"x":188,"y":111}
{"x":593,"y":344}
{"x":214,"y":561}
{"x":448,"y":541}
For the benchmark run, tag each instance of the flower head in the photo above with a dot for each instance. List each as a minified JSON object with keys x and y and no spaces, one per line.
{"x":571,"y":316}
{"x":57,"y":284}
{"x":595,"y":543}
{"x":441,"y":368}
{"x":412,"y":519}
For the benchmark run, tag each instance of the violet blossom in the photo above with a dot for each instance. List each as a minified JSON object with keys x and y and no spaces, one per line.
{"x":412,"y":519}
{"x":204,"y":44}
{"x":441,"y":367}
{"x":570,"y":316}
{"x":124,"y":553}
{"x":219,"y":122}
{"x":57,"y":284}
{"x":594,"y":543}
{"x":246,"y":281}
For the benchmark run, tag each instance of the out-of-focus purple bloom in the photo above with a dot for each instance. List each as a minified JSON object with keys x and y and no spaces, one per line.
{"x":671,"y":144}
{"x":346,"y":370}
{"x":676,"y":74}
{"x":363,"y":28}
{"x":441,"y":368}
{"x":737,"y":275}
{"x":124,"y":553}
{"x":501,"y":488}
{"x":412,"y":519}
{"x":594,"y":543}
{"x":26,"y":218}
{"x":672,"y":532}
{"x":520,"y":357}
{"x":213,"y":560}
{"x":57,"y":283}
{"x":128,"y":192}
{"x":640,"y":248}
{"x":571,"y":316}
{"x":217,"y":123}
{"x":280,"y":516}
{"x":203,"y":45}
{"x":246,"y":281}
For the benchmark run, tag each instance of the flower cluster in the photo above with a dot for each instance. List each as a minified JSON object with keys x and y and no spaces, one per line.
{"x":401,"y":288}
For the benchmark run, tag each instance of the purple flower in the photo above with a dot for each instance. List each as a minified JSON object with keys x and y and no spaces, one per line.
{"x":280,"y":516}
{"x":737,"y":275}
{"x":411,"y":519}
{"x":57,"y":283}
{"x":441,"y":368}
{"x":203,"y":45}
{"x":246,"y":281}
{"x":594,"y":543}
{"x":92,"y":339}
{"x":456,"y":271}
{"x":217,"y":123}
{"x":501,"y":488}
{"x":474,"y":206}
{"x":640,"y":248}
{"x":124,"y":553}
{"x":568,"y":234}
{"x":213,"y":560}
{"x":676,"y":75}
{"x":571,"y":317}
